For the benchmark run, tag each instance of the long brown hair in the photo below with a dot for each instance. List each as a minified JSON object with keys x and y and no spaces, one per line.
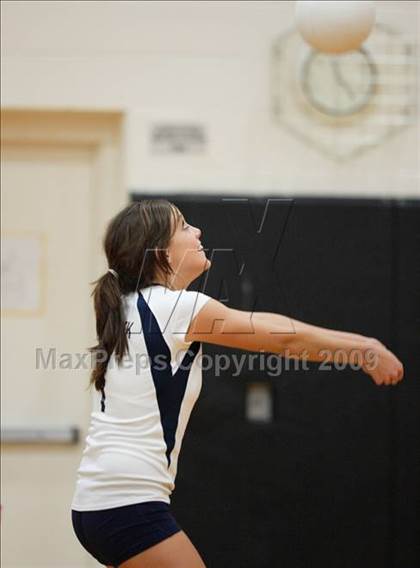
{"x":135,"y":241}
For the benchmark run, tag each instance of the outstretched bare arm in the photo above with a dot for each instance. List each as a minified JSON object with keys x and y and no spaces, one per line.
{"x":283,"y":335}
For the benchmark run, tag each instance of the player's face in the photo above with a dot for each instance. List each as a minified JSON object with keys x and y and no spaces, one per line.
{"x":186,"y":254}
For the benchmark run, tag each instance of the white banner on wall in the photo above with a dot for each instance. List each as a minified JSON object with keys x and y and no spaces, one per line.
{"x":22,"y":274}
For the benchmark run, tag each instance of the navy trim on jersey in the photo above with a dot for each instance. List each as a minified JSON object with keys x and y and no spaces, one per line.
{"x":103,"y":400}
{"x":170,"y":389}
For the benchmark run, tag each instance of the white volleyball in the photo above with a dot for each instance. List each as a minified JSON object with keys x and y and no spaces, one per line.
{"x":335,"y":26}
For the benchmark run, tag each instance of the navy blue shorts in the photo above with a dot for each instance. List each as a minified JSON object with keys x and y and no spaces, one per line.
{"x":112,"y":536}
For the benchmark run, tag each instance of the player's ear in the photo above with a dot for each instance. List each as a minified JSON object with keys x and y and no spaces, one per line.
{"x":160,"y":252}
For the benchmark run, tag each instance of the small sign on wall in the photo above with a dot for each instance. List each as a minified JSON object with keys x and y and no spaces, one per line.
{"x":22,"y":274}
{"x":166,"y":138}
{"x":259,"y":402}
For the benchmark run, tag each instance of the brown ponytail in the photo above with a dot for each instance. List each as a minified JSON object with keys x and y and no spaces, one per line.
{"x":131,"y":236}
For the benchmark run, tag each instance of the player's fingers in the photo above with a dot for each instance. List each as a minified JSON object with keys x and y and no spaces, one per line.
{"x":396,"y":377}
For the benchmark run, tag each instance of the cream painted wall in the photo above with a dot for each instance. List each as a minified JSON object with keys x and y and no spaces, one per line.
{"x":60,"y":176}
{"x":205,"y":62}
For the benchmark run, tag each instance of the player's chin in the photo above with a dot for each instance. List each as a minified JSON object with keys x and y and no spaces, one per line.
{"x":207,"y":264}
{"x":203,"y":266}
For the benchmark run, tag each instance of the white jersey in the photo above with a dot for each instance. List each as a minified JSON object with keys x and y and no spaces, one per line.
{"x":139,"y":420}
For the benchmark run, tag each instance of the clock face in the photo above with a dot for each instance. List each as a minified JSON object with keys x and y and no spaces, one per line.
{"x":338,"y":85}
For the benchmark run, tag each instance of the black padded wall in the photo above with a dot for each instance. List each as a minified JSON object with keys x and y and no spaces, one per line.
{"x":332,"y":480}
{"x":405,"y":410}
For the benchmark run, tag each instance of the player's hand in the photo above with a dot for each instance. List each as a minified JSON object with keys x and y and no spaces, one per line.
{"x":381,"y":364}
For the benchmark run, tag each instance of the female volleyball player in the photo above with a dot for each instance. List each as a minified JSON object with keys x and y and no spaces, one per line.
{"x":147,"y":379}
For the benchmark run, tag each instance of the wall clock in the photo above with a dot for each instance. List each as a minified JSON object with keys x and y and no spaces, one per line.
{"x":339,"y":85}
{"x":343,"y":105}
